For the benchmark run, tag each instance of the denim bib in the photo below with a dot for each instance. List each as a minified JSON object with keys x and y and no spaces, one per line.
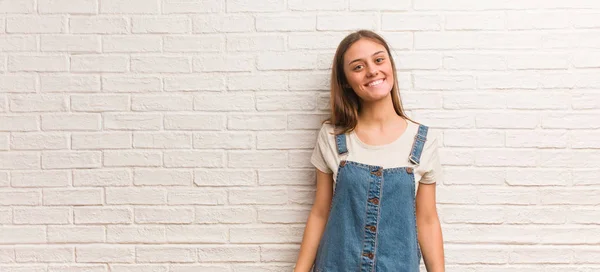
{"x":372,"y":221}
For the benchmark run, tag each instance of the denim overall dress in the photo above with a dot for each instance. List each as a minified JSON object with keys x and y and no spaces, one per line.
{"x":372,"y":221}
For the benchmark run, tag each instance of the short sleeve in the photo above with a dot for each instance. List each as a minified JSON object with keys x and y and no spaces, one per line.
{"x":317,"y":158}
{"x":430,"y":162}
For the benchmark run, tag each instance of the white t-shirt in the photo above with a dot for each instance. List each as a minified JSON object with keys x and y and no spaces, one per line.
{"x":395,"y":154}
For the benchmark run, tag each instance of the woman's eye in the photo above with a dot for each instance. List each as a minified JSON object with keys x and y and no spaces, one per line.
{"x":357,"y":67}
{"x":379,"y":59}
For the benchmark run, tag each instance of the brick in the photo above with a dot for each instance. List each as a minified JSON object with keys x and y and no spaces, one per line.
{"x":470,"y":138}
{"x":288,"y":177}
{"x":161,"y":25}
{"x":196,"y":196}
{"x":38,"y":103}
{"x":475,"y":21}
{"x":162,"y":103}
{"x":555,"y":196}
{"x":113,"y":140}
{"x":211,"y":140}
{"x":278,"y":253}
{"x":38,"y":63}
{"x":162,"y":254}
{"x":109,"y":64}
{"x":162,"y":177}
{"x":283,"y":140}
{"x":135,"y":196}
{"x":194,"y":122}
{"x":410,"y":22}
{"x":258,"y":82}
{"x":286,"y":61}
{"x":70,"y":43}
{"x":133,"y":83}
{"x":55,"y":254}
{"x":570,"y":121}
{"x":63,"y":197}
{"x":224,"y":178}
{"x":202,"y":6}
{"x":193,"y":159}
{"x":469,"y":176}
{"x":280,"y":215}
{"x":72,"y":122}
{"x":229,"y":253}
{"x":4,"y":181}
{"x":316,"y":5}
{"x":101,"y":177}
{"x":509,"y":157}
{"x":162,"y":140}
{"x":443,"y":82}
{"x":194,"y":43}
{"x":305,"y":121}
{"x":22,"y":235}
{"x":195,"y":83}
{"x":285,"y":234}
{"x":539,"y":139}
{"x":135,"y":234}
{"x":19,"y":160}
{"x":70,"y":83}
{"x":445,"y":119}
{"x":526,"y":20}
{"x":314,"y":41}
{"x":256,"y":122}
{"x":77,"y":268}
{"x":46,"y":178}
{"x":510,"y":196}
{"x":334,"y":22}
{"x":18,"y":43}
{"x":223,"y":63}
{"x":66,"y":6}
{"x":535,"y":177}
{"x":243,"y":43}
{"x":17,"y":6}
{"x":258,"y":196}
{"x":508,"y":120}
{"x":243,"y":159}
{"x":157,"y":64}
{"x":106,"y":215}
{"x":17,"y":84}
{"x":189,"y":234}
{"x":138,"y":268}
{"x":130,"y":6}
{"x":39,"y":141}
{"x":39,"y":216}
{"x":105,"y":254}
{"x":250,"y":6}
{"x":20,"y":197}
{"x":99,"y":103}
{"x":132,"y":158}
{"x":36,"y":24}
{"x":474,"y":61}
{"x":235,"y":102}
{"x":76,"y":234}
{"x":71,"y":159}
{"x":132,"y":121}
{"x":98,"y":25}
{"x":280,"y":102}
{"x":131,"y":44}
{"x":224,"y":215}
{"x":268,"y":22}
{"x":584,"y":139}
{"x":472,"y":215}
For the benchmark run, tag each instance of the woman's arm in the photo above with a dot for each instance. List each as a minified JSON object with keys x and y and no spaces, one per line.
{"x":315,"y":225}
{"x":429,"y":229}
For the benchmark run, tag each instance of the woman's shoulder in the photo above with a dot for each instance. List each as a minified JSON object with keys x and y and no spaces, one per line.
{"x":433,"y":134}
{"x":326,"y":132}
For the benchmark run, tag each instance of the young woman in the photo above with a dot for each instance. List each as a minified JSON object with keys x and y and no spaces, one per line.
{"x":375,"y":207}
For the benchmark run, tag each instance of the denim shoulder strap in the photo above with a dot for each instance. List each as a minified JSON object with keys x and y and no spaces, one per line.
{"x":419,"y":143}
{"x":340,"y":142}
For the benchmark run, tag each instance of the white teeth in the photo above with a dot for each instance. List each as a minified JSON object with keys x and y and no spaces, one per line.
{"x":376,"y":82}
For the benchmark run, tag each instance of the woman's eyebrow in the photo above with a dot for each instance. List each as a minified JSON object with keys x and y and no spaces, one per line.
{"x":371,"y":55}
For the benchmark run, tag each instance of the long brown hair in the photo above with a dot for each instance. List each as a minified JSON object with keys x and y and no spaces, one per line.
{"x":345,"y":104}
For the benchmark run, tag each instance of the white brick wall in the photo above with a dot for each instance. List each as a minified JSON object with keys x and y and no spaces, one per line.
{"x":175,"y":135}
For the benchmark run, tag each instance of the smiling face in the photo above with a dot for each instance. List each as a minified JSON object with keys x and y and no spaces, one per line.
{"x":368,"y":69}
